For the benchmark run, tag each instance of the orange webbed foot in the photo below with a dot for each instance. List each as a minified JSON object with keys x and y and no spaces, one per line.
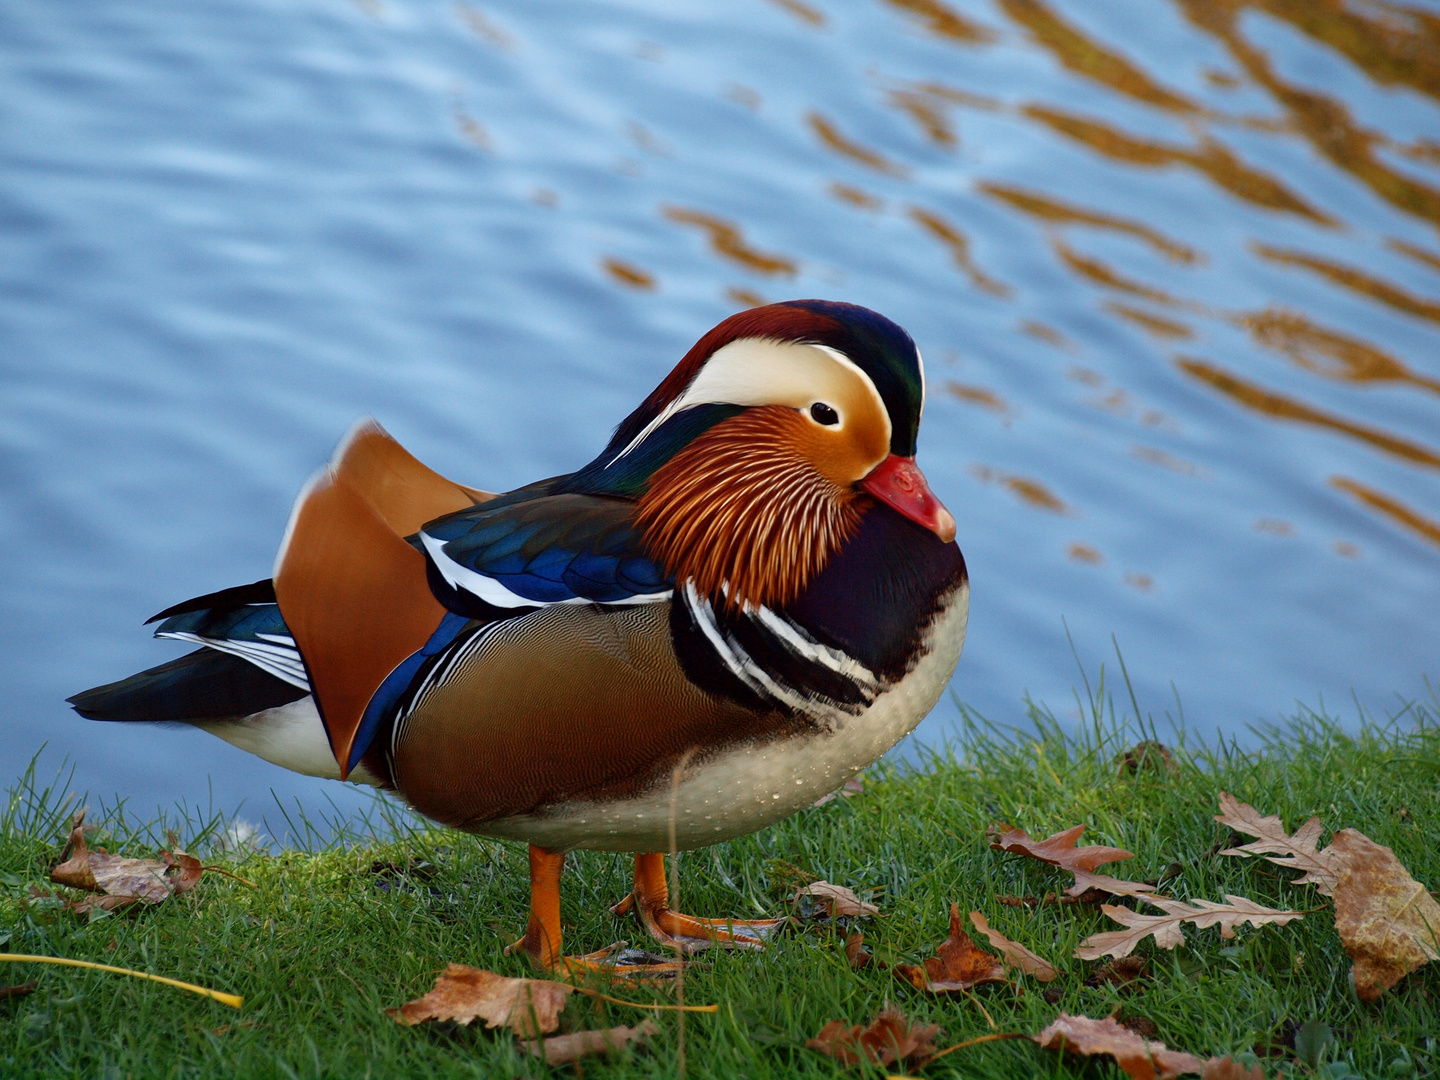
{"x":687,"y":933}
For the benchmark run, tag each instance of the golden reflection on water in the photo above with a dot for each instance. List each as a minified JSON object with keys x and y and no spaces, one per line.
{"x":1328,"y":353}
{"x":1030,"y":492}
{"x":1094,"y":270}
{"x":727,"y":241}
{"x":1148,"y":321}
{"x":804,"y":12}
{"x":1090,"y":59}
{"x":832,"y":139}
{"x":959,"y":248}
{"x":628,"y":274}
{"x":1283,"y":408}
{"x":1210,"y":157}
{"x":1054,"y":210}
{"x":944,"y":21}
{"x":1359,"y":281}
{"x":1325,"y":122}
{"x":1392,"y":508}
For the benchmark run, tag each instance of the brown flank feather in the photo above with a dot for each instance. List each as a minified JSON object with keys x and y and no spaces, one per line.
{"x":745,"y":513}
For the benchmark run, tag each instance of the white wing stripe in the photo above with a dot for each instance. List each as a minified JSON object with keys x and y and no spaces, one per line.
{"x":283,"y":664}
{"x":492,"y":592}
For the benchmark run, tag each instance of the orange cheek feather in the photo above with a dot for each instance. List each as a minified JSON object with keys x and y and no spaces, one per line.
{"x":752,"y":510}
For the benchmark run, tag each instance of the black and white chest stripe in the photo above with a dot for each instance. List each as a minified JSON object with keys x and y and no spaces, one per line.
{"x":764,"y":658}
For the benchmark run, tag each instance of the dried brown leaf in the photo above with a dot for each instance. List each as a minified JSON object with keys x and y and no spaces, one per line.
{"x":958,"y":964}
{"x":1121,"y":972}
{"x":1014,"y":954}
{"x":1137,"y":1057}
{"x":19,"y":990}
{"x":1058,"y":850}
{"x":123,"y":880}
{"x":1166,"y":928}
{"x":563,"y":1049}
{"x":848,"y":790}
{"x":856,"y":953}
{"x":1227,"y":1068}
{"x":1086,"y":882}
{"x":838,"y":900}
{"x":888,"y":1039}
{"x":529,"y":1007}
{"x":1296,"y":851}
{"x":1150,"y":755}
{"x":1386,"y":920}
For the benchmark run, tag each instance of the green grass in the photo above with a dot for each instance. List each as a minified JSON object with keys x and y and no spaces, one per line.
{"x":324,"y":944}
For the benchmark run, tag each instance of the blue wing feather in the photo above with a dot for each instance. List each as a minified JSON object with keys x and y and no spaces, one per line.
{"x":549,"y":550}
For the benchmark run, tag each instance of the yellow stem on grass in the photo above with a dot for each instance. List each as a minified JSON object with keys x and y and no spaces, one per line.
{"x":233,"y":1000}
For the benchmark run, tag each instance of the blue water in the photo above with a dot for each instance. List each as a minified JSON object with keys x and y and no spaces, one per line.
{"x":228,"y":229}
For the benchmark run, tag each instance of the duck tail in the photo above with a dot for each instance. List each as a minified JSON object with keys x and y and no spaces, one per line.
{"x":202,"y":685}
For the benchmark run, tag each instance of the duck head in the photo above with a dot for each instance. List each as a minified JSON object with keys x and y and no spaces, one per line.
{"x":759,"y":454}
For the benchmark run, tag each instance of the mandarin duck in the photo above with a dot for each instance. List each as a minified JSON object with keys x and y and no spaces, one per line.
{"x":748,"y":596}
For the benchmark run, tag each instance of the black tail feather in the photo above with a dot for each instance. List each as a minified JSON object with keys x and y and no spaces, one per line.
{"x":202,"y":685}
{"x":257,"y":592}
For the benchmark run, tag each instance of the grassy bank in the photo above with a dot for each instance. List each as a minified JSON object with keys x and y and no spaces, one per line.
{"x":333,"y":936}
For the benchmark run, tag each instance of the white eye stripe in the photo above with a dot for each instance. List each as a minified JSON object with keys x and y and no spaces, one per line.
{"x":763,"y":371}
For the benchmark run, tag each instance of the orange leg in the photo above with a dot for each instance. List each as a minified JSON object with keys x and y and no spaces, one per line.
{"x":542,"y":934}
{"x":651,"y":900}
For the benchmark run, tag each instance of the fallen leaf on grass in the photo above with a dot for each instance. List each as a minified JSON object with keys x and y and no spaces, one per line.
{"x":1149,"y":754}
{"x":1139,"y":1058}
{"x":852,"y":787}
{"x":1121,"y":972}
{"x":563,"y":1049}
{"x":958,"y":964}
{"x":888,"y":1039}
{"x":529,"y":1007}
{"x":1386,"y":920}
{"x":1227,"y":1068}
{"x":839,"y":901}
{"x":1166,"y":928}
{"x":18,"y":991}
{"x":122,"y":880}
{"x":1296,"y":851}
{"x":1087,"y":884}
{"x":856,"y":953}
{"x":1014,"y":954}
{"x":1060,"y":850}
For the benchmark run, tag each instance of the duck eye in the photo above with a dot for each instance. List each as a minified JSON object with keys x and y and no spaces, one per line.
{"x":824,"y":414}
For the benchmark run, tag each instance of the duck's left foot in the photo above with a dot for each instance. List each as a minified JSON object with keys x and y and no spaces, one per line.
{"x":650,"y":900}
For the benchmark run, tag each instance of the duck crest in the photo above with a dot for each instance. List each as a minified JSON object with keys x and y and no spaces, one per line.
{"x":744,"y":514}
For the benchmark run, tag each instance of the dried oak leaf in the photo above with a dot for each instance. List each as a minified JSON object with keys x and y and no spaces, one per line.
{"x":958,"y":964}
{"x":529,"y":1007}
{"x":1227,"y":1068}
{"x":839,"y":901}
{"x":1166,"y":928}
{"x":888,"y":1039}
{"x":1058,"y":850}
{"x":1386,"y":920}
{"x":1137,"y":1057}
{"x":1014,"y":954}
{"x":123,"y":880}
{"x":563,"y":1049}
{"x":1088,"y":884}
{"x":1296,"y":851}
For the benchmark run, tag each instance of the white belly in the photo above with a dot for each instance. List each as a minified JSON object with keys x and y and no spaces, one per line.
{"x":751,"y":787}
